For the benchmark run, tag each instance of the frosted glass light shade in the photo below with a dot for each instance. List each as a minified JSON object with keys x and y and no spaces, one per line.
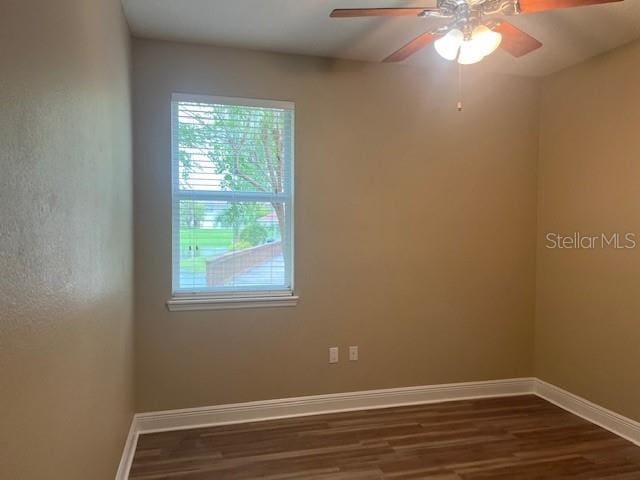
{"x":469,"y":53}
{"x":485,"y":40}
{"x":449,"y":45}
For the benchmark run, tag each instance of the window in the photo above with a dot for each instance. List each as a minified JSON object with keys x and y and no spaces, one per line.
{"x":232,"y":190}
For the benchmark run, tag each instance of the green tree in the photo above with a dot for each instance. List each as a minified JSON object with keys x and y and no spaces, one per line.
{"x":240,"y":216}
{"x":254,"y":234}
{"x":191,"y":213}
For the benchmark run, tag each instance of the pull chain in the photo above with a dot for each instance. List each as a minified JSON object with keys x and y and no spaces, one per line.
{"x":460,"y":105}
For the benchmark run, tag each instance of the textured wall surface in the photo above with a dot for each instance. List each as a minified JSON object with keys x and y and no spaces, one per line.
{"x":588,"y":301}
{"x":66,"y":394}
{"x":415,"y":231}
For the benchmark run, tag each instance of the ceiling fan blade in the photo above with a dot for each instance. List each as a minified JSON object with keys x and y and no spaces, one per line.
{"x":379,"y":12}
{"x":515,"y":41}
{"x":412,"y":47}
{"x":533,"y":6}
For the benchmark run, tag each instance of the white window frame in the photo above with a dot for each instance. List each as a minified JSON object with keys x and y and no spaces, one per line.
{"x":205,"y":299}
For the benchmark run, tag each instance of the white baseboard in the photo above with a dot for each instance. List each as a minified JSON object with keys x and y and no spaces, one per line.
{"x":331,"y":403}
{"x":369,"y":399}
{"x":614,"y":422}
{"x":128,"y":452}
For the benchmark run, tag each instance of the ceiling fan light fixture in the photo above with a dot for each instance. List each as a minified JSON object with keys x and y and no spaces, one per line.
{"x":448,"y":46}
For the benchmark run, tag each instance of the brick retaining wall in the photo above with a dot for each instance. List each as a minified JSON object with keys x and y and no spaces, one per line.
{"x":222,"y":269}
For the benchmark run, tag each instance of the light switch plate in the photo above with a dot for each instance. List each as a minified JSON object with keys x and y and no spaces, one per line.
{"x":333,"y":355}
{"x":353,"y":353}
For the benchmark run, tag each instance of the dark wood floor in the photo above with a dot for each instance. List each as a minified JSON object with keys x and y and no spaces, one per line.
{"x":503,"y":438}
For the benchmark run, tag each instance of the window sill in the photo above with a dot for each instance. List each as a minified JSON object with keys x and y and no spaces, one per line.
{"x":202,"y":302}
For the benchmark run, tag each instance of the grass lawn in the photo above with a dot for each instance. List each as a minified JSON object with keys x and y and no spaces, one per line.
{"x":206,"y":239}
{"x":194,"y":265}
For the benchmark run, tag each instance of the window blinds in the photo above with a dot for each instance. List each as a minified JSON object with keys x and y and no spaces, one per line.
{"x":232,"y":190}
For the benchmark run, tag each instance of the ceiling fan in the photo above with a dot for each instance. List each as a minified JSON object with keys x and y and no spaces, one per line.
{"x":475,"y":28}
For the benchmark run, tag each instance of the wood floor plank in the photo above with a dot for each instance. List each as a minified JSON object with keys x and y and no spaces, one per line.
{"x":523,"y":438}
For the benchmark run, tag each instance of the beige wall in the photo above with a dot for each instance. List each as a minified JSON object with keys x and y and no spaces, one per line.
{"x":66,"y":395}
{"x":588,"y":301}
{"x":415,"y":231}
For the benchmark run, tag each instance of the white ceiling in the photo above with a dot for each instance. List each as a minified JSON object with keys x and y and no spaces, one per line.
{"x":304,"y":27}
